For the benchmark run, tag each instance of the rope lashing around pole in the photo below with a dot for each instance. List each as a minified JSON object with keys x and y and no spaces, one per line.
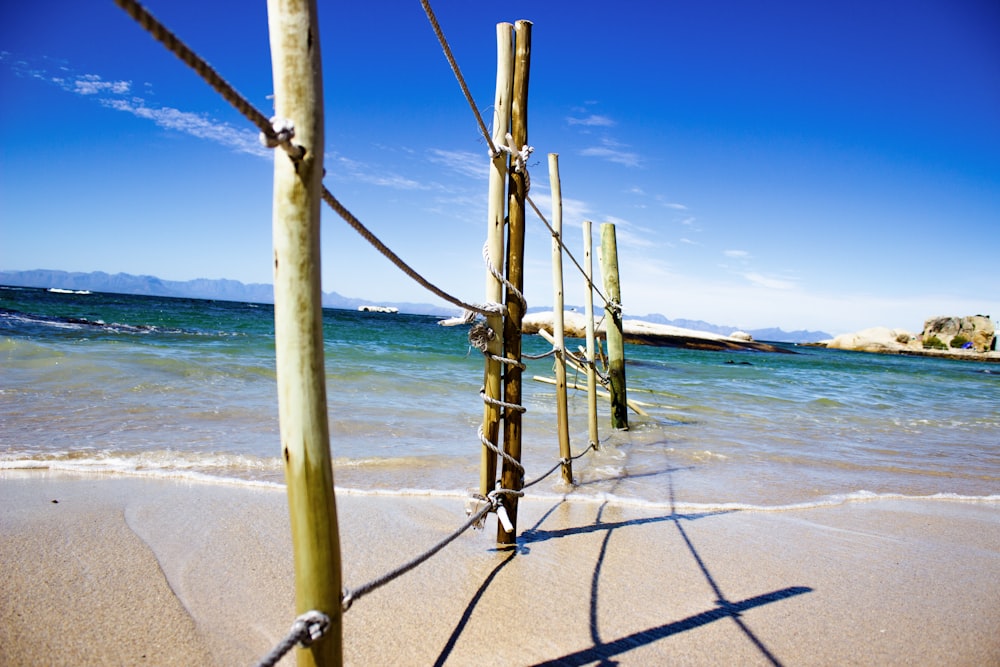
{"x":518,"y":158}
{"x":307,"y":628}
{"x":479,"y":337}
{"x":498,"y":451}
{"x":495,"y":272}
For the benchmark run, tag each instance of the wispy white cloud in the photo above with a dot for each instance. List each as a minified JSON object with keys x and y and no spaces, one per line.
{"x":467,"y":163}
{"x":736,"y":254}
{"x":613,"y":151}
{"x":116,"y":95}
{"x":91,"y":84}
{"x":241,"y":140}
{"x":676,"y":206}
{"x":770,"y":283}
{"x":592,"y":120}
{"x":364,"y":173}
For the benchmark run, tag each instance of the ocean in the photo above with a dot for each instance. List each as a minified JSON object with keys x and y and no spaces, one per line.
{"x":110,"y":384}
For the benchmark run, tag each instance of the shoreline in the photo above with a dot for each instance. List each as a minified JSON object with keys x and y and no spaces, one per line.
{"x":956,"y":355}
{"x":128,"y":570}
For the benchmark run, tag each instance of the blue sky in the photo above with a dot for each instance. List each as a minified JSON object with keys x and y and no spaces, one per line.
{"x":819,"y":165}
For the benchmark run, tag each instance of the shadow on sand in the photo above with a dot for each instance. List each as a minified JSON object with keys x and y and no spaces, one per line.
{"x":602,"y":651}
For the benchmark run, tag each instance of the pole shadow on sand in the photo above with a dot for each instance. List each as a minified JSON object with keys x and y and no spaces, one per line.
{"x":603,"y":651}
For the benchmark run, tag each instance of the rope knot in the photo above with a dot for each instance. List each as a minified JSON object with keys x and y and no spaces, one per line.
{"x":284,"y":131}
{"x":480,"y":336}
{"x":310,"y":627}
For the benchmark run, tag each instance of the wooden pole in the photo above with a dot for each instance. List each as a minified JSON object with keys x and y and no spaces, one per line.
{"x":562,"y":413}
{"x":495,"y":250}
{"x":517,"y":191}
{"x":588,"y":268}
{"x":298,"y":323}
{"x":636,"y":407}
{"x":616,"y":342}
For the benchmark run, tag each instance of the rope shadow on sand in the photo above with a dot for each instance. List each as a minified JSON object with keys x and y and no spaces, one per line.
{"x":603,"y":652}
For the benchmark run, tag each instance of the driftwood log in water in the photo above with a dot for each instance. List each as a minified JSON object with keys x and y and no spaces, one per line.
{"x":638,"y":332}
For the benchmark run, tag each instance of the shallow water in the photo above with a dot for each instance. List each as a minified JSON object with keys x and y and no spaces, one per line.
{"x":178,"y":387}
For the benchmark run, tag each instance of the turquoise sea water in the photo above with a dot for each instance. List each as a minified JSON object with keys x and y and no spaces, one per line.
{"x":134,"y":385}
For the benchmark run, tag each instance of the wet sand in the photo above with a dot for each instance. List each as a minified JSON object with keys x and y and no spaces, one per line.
{"x":125,"y":570}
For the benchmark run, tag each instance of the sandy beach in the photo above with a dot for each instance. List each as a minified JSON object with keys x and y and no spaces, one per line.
{"x":124,"y":570}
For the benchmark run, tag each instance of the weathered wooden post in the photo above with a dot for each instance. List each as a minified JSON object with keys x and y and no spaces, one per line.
{"x":616,"y":342}
{"x":588,"y":269}
{"x":298,"y":323}
{"x":512,"y":477}
{"x":558,"y":325}
{"x":495,"y":252}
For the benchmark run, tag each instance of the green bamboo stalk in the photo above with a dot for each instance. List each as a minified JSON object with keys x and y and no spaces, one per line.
{"x":298,"y":326}
{"x":588,"y":268}
{"x":495,"y":245}
{"x":517,"y":191}
{"x":616,"y":341}
{"x":558,"y":325}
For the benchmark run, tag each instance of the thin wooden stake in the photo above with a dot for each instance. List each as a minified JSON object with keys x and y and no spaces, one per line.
{"x":588,"y":269}
{"x":616,"y":341}
{"x":495,"y":249}
{"x":298,"y":323}
{"x":636,"y":406}
{"x":512,"y":477}
{"x":558,"y":326}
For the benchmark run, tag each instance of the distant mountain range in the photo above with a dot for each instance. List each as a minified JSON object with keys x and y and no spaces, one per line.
{"x":233,"y":290}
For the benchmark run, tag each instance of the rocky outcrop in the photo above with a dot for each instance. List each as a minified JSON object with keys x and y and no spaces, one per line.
{"x":639,"y":332}
{"x":972,"y":337}
{"x":974,"y":332}
{"x":875,"y":339}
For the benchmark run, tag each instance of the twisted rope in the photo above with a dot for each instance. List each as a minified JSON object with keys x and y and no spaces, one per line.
{"x":458,"y":74}
{"x":563,"y":461}
{"x":499,"y":452}
{"x":306,"y":629}
{"x":558,"y":238}
{"x":350,"y":219}
{"x":495,"y":272}
{"x":350,"y":596}
{"x":173,"y":44}
{"x":278,"y":132}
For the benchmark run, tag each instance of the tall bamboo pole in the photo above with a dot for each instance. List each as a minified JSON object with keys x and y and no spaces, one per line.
{"x":616,"y":342}
{"x":517,"y":190}
{"x":298,"y":324}
{"x":495,"y":250}
{"x":588,"y":269}
{"x":558,"y":325}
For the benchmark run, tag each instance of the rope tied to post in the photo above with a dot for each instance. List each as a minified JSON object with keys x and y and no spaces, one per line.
{"x":307,"y":628}
{"x":283,"y":133}
{"x":518,"y":158}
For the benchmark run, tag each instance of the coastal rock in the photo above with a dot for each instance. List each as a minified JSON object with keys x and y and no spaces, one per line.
{"x":639,"y":332}
{"x":940,"y":338}
{"x":975,"y":329}
{"x":741,"y":335}
{"x":875,"y":339}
